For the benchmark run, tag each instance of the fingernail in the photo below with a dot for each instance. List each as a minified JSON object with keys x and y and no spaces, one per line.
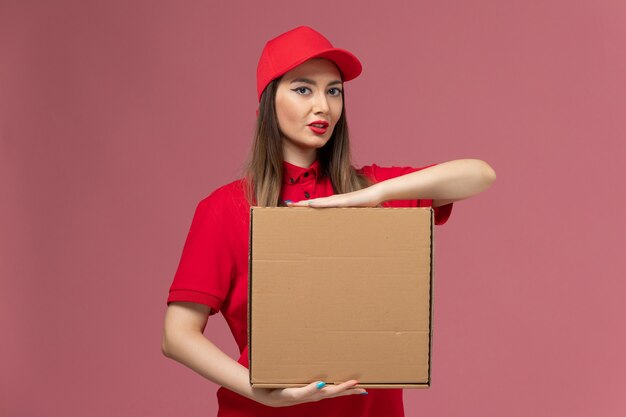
{"x":363,"y":393}
{"x":287,"y":201}
{"x":321,"y":385}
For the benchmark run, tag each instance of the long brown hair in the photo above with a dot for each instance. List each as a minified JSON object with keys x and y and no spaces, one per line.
{"x":263,"y":172}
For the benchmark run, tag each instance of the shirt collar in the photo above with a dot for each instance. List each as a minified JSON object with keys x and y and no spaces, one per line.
{"x":293,"y":174}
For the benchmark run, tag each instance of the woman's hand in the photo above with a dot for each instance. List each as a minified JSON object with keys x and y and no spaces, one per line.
{"x":366,"y":197}
{"x":315,"y":391}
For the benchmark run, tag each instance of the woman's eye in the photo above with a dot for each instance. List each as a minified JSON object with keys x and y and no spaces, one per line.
{"x":301,"y":90}
{"x":335,"y":91}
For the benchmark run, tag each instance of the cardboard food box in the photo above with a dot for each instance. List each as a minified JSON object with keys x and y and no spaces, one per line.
{"x":338,"y":294}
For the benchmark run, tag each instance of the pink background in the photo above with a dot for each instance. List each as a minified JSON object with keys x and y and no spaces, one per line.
{"x":118,"y":117}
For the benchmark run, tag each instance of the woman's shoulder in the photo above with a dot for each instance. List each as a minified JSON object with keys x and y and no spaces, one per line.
{"x":225,"y":198}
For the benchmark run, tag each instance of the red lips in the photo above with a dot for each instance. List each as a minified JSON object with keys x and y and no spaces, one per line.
{"x":320,"y":124}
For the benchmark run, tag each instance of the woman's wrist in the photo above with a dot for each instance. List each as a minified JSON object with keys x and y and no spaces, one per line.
{"x":243,"y":384}
{"x":259,"y":395}
{"x":379,"y":192}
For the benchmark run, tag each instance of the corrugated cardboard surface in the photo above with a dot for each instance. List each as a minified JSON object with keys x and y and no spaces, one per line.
{"x":338,"y":294}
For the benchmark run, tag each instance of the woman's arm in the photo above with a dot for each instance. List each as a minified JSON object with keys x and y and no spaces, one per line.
{"x":443,"y":183}
{"x":184,"y":341}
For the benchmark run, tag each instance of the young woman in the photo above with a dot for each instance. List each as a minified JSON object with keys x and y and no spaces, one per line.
{"x":300,"y":157}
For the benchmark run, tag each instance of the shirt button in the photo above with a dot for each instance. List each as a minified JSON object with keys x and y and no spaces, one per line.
{"x":306,"y":194}
{"x":306,"y":174}
{"x":291,"y":180}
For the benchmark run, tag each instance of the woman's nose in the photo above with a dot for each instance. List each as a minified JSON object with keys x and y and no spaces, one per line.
{"x":320,"y":103}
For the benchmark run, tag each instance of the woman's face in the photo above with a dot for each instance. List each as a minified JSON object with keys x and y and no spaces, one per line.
{"x":308,"y":104}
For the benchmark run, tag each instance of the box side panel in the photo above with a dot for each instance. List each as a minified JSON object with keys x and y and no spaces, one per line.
{"x":250,"y":257}
{"x":432,"y":289}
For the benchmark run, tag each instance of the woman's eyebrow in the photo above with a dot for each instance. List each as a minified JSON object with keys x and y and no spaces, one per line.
{"x":308,"y":81}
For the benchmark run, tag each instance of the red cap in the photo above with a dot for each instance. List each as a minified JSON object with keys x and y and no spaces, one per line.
{"x":292,"y":48}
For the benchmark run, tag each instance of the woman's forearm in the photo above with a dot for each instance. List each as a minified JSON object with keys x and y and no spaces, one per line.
{"x":453,"y":180}
{"x":195,"y":351}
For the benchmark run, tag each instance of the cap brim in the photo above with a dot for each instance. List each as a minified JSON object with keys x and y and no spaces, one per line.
{"x":348,"y":64}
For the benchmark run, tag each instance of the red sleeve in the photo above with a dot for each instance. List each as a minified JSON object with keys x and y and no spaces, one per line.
{"x":206,"y":267}
{"x":378,"y":174}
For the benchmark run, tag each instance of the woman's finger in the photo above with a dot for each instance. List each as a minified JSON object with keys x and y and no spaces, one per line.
{"x":353,"y":391}
{"x":334,"y":390}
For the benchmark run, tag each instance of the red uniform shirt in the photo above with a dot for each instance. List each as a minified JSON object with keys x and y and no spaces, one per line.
{"x":213,"y":270}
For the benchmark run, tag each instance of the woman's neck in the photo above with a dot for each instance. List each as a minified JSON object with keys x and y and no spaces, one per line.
{"x":301,"y":158}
